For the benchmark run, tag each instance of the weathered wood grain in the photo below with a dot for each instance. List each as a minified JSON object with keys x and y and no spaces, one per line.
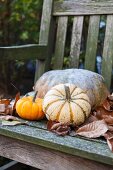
{"x":92,"y":40}
{"x":84,"y":148}
{"x":23,"y":52}
{"x":108,"y":51}
{"x":76,"y":41}
{"x":44,"y":158}
{"x":82,"y":7}
{"x":60,"y":42}
{"x":45,"y":21}
{"x":44,"y":37}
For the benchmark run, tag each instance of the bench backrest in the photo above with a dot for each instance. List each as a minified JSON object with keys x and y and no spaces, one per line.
{"x":78,"y":10}
{"x":53,"y":35}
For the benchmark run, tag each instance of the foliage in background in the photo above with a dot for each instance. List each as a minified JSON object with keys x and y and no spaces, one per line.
{"x":19,"y":24}
{"x":19,"y":21}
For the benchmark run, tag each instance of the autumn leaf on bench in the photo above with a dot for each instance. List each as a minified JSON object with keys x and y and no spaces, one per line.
{"x":61,"y":129}
{"x":10,"y":120}
{"x":93,"y":130}
{"x":105,"y":111}
{"x":7,"y":106}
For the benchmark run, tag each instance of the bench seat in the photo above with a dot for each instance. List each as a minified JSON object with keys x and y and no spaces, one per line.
{"x":34,"y":145}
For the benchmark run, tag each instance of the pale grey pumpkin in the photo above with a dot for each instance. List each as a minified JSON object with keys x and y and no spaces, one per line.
{"x":89,"y":81}
{"x":67,"y":103}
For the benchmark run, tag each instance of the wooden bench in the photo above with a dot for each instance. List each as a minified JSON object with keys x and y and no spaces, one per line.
{"x":34,"y":145}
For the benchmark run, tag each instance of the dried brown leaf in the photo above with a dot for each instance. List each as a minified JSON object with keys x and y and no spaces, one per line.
{"x":9,"y":120}
{"x":12,"y":123}
{"x":106,"y":105}
{"x":8,"y":117}
{"x":110,"y":143}
{"x":61,"y":129}
{"x":50,"y":123}
{"x":2,"y":108}
{"x":57,"y":125}
{"x":5,"y":101}
{"x":93,"y":130}
{"x":108,"y":119}
{"x":110,"y":128}
{"x":100,"y":111}
{"x":17,"y":97}
{"x":109,"y":137}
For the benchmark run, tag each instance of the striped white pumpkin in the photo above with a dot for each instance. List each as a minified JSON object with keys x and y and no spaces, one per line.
{"x":66,"y":103}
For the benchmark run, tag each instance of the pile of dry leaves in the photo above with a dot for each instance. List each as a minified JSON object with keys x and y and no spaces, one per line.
{"x":99,"y":123}
{"x":8,"y":115}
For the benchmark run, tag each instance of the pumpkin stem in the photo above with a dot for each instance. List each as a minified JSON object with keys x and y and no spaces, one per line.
{"x":67,"y":90}
{"x":35,"y":96}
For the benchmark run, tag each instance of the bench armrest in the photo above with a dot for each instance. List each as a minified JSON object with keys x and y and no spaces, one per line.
{"x":23,"y":52}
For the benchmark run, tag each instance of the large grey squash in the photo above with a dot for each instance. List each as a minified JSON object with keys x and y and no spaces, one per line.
{"x":89,"y":81}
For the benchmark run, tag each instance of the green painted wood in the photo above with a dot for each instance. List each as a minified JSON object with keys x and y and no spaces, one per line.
{"x":73,"y":145}
{"x":60,"y":42}
{"x":42,"y":124}
{"x":38,"y":124}
{"x":76,"y":41}
{"x":46,"y":29}
{"x":23,"y":52}
{"x":82,"y":7}
{"x":92,"y":41}
{"x":108,"y":52}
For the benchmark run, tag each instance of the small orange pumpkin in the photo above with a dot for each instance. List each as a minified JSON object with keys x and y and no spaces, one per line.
{"x":30,"y":108}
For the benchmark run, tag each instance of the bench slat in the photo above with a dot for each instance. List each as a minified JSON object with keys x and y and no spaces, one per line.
{"x":46,"y":23}
{"x":60,"y":42}
{"x":92,"y":41}
{"x":43,"y":158}
{"x":76,"y":41}
{"x":23,"y":52}
{"x":72,"y":145}
{"x":82,"y":7}
{"x":108,"y":51}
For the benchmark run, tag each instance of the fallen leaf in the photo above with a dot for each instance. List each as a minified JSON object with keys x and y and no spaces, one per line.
{"x":17,"y":97}
{"x":8,"y":117}
{"x":11,"y":120}
{"x":2,"y":108}
{"x":109,"y":137}
{"x":50,"y":123}
{"x":56,"y":125}
{"x":5,"y":101}
{"x":100,"y":111}
{"x":106,"y":105}
{"x":108,"y":119}
{"x":93,"y":130}
{"x":60,"y":129}
{"x":110,"y":143}
{"x":12,"y":123}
